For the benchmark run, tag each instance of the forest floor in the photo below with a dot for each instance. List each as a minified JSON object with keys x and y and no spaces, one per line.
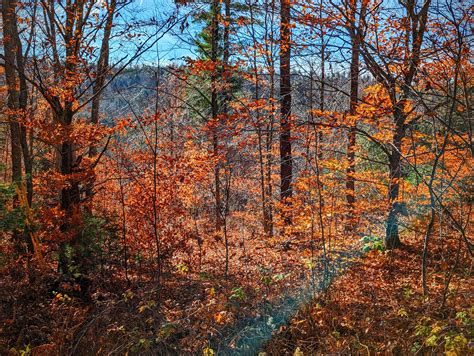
{"x":377,"y":306}
{"x":191,"y":312}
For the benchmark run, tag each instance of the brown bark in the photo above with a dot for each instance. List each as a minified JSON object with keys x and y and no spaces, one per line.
{"x":354,"y":91}
{"x":17,"y":105}
{"x":286,"y":168}
{"x":392,"y":239}
{"x":13,"y":101}
{"x":102,"y":69}
{"x":399,"y":92}
{"x":64,"y":114}
{"x":269,"y":155}
{"x":214,"y":113}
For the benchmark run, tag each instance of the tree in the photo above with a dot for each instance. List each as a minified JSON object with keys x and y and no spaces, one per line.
{"x":356,"y":26}
{"x":69,"y":75}
{"x":17,"y":102}
{"x":101,"y":76}
{"x":286,"y":164}
{"x":396,"y":76}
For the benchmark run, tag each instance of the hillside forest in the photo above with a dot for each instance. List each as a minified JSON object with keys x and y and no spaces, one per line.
{"x":236,"y":177}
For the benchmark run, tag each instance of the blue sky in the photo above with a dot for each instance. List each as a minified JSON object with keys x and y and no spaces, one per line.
{"x":170,"y":47}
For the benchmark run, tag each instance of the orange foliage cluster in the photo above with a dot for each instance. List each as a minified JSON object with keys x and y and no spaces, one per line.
{"x":163,"y":228}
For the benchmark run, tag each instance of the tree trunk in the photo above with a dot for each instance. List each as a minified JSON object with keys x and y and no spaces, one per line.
{"x":269,"y":155}
{"x":102,"y":67}
{"x":286,"y":168}
{"x":70,"y":205}
{"x":23,"y":106}
{"x":319,"y":138}
{"x":214,"y":113}
{"x":354,"y":81}
{"x":392,"y":239}
{"x":17,"y":104}
{"x":13,"y":101}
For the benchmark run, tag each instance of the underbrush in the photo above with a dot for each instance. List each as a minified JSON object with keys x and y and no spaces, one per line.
{"x":378,"y":307}
{"x":187,"y":312}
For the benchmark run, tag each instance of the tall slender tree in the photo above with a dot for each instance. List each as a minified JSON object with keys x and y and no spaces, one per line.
{"x":355,"y":23}
{"x":286,"y":164}
{"x":101,"y":76}
{"x":398,"y":84}
{"x":17,"y":101}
